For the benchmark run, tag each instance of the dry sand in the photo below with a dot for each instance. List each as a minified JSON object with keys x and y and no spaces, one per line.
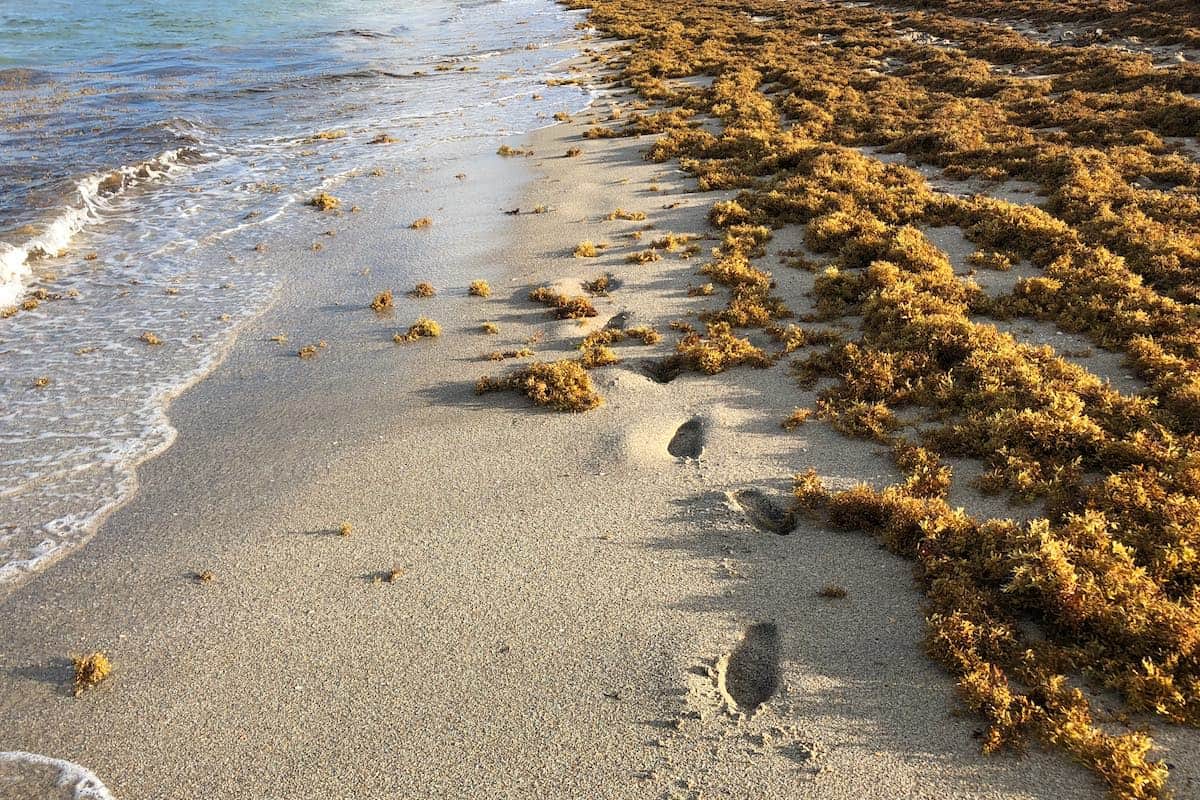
{"x":569,"y":587}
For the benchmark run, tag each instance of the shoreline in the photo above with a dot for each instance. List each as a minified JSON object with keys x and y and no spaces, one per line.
{"x":588,"y":615}
{"x":529,"y":604}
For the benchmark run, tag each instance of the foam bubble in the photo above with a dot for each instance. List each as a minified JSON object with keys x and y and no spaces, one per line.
{"x":30,"y":776}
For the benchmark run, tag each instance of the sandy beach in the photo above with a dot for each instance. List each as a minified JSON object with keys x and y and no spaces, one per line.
{"x":529,"y":603}
{"x":567,"y":583}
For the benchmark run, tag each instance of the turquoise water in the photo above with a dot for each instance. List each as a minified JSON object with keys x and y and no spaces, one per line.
{"x":147,"y":146}
{"x":80,"y":31}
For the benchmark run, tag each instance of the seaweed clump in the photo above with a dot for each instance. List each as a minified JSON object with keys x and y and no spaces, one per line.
{"x":324,"y":202}
{"x":383,"y":302}
{"x":479,"y":289}
{"x":561,"y":385}
{"x":90,"y":670}
{"x":717,"y":350}
{"x":423,"y":328}
{"x":587,"y":249}
{"x":563,"y":306}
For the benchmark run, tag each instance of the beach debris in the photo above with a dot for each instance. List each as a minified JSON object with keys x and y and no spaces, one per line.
{"x":501,"y":355}
{"x":279,"y":338}
{"x":643,"y":257}
{"x":561,"y":385}
{"x":90,"y":670}
{"x":324,"y":202}
{"x":326,"y":136}
{"x":383,"y":302}
{"x":204,"y":576}
{"x":422,"y":290}
{"x":479,"y":289}
{"x":622,"y":214}
{"x":41,"y":382}
{"x":599,"y":287}
{"x":345,"y":529}
{"x":311,"y":350}
{"x":588,"y":249}
{"x":505,"y":150}
{"x":599,"y":132}
{"x":423,"y":328}
{"x":797,"y":418}
{"x":832,"y":592}
{"x":490,"y":328}
{"x":421,"y":222}
{"x":150,"y":338}
{"x":598,"y":355}
{"x":717,"y":350}
{"x":563,"y":306}
{"x":572,"y":152}
{"x":383,"y":138}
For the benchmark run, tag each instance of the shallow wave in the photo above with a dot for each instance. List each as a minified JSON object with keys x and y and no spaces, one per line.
{"x":93,"y":193}
{"x":34,"y":775}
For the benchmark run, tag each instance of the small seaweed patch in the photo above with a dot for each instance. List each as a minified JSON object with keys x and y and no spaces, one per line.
{"x":420,"y":222}
{"x":796,"y":419}
{"x":423,"y":328}
{"x":490,"y":328}
{"x":151,"y":338}
{"x":563,"y":306}
{"x":561,"y":385}
{"x":643,"y":257}
{"x":383,"y":138}
{"x":502,"y":355}
{"x":422,"y":290}
{"x":588,"y":249}
{"x":324,"y":202}
{"x":832,"y":592}
{"x":345,"y":529}
{"x":90,"y":670}
{"x":383,"y":302}
{"x":718,"y":349}
{"x":621,"y":213}
{"x":507,"y":151}
{"x":479,"y":289}
{"x":572,"y":152}
{"x":598,"y":356}
{"x":599,"y":287}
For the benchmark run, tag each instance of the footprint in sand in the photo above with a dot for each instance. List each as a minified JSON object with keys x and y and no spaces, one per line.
{"x":663,"y":371}
{"x":688,"y":441}
{"x":763,"y":512}
{"x":618,"y":321}
{"x":749,"y":675}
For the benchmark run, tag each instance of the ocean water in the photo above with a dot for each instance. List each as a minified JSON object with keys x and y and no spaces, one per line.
{"x":147,"y":145}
